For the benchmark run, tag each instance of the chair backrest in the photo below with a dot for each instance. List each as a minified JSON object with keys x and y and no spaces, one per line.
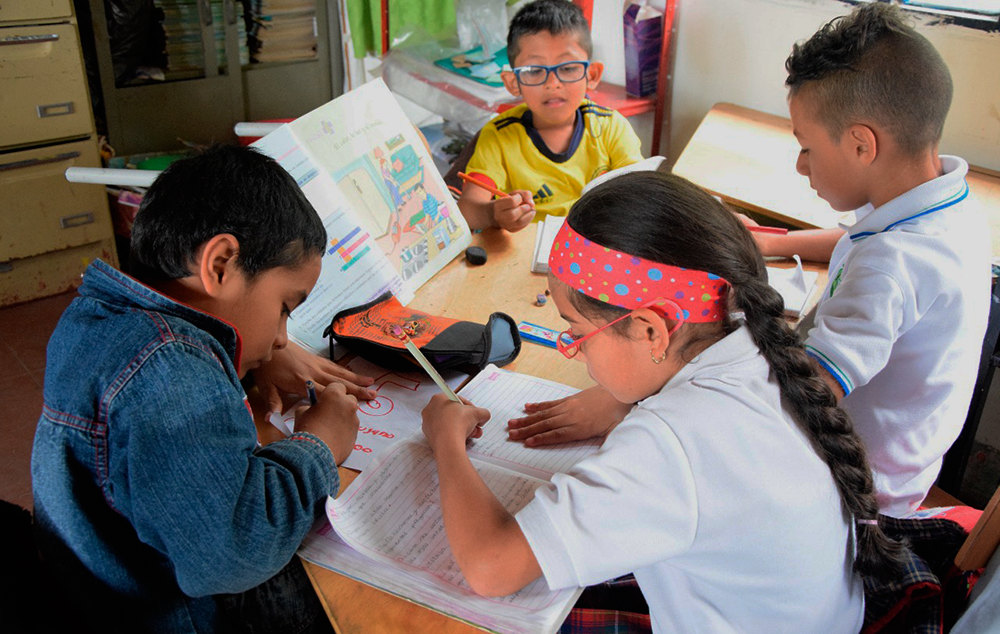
{"x":982,"y":542}
{"x":955,"y":461}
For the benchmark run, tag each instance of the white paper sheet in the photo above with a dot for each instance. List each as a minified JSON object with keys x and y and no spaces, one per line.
{"x":393,"y":415}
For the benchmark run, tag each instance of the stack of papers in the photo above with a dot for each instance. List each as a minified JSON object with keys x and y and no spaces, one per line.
{"x":283,"y":30}
{"x":546,"y":229}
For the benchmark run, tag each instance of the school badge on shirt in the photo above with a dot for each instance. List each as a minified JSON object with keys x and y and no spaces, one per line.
{"x":836,"y":280}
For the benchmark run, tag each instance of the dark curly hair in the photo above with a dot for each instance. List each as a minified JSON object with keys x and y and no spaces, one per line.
{"x":872,"y":67}
{"x":665,"y":218}
{"x":553,"y":16}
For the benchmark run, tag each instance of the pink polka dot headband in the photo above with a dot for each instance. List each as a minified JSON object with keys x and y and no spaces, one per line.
{"x":630,"y":282}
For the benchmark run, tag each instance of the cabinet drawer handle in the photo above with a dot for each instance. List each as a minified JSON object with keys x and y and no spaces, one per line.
{"x":55,"y":109}
{"x":78,"y":220}
{"x":28,"y":39}
{"x":58,"y":158}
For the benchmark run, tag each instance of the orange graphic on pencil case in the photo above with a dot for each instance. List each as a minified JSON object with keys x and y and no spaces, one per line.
{"x":374,"y":324}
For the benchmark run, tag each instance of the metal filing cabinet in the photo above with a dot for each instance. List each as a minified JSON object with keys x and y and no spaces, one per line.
{"x":50,"y":229}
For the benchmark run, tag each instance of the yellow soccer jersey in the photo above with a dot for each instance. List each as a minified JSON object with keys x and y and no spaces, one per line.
{"x":511,"y":153}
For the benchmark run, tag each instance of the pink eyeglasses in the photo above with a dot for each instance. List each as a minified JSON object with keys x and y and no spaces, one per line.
{"x":569,"y":344}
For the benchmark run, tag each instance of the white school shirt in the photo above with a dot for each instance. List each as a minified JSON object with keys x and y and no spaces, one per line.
{"x":901,"y":325}
{"x":713,"y":497}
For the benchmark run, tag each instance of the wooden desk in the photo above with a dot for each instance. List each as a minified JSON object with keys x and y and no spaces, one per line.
{"x":747,"y":158}
{"x":462,"y":291}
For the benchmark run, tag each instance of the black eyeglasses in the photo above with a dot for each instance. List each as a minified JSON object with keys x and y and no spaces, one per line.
{"x":536,"y":75}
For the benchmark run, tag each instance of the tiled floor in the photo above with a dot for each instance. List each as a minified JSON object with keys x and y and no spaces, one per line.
{"x":24,"y":333}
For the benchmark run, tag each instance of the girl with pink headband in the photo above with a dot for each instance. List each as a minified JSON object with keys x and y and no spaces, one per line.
{"x":728,"y":481}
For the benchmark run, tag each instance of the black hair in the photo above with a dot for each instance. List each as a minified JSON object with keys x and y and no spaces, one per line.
{"x":871,"y":66}
{"x":225,"y":189}
{"x":553,"y":16}
{"x":665,"y":218}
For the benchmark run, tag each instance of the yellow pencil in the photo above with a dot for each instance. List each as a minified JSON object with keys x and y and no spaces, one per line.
{"x":400,"y":334}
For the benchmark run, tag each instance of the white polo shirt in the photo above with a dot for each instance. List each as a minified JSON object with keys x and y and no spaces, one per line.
{"x":901,"y":325}
{"x":713,"y":497}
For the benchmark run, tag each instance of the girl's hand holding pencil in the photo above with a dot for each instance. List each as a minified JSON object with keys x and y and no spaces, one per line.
{"x":449,"y":424}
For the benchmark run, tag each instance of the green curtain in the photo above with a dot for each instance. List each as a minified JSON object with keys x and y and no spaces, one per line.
{"x":436,"y":17}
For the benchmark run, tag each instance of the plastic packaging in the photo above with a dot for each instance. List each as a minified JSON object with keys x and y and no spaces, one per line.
{"x":477,"y":22}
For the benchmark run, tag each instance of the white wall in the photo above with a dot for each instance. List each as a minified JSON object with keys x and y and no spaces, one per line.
{"x":735,"y":50}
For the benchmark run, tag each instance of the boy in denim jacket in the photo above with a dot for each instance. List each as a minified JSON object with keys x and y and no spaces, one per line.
{"x":157,"y":508}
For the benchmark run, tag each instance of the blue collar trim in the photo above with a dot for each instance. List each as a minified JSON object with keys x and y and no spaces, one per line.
{"x":948,"y":202}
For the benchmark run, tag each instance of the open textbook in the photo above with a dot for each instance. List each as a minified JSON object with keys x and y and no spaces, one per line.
{"x":390,"y":222}
{"x":388,"y":532}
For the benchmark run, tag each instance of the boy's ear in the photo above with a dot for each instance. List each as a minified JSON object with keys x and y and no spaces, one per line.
{"x":863,"y":143}
{"x":510,"y":83}
{"x":594,"y":73}
{"x":216,"y":265}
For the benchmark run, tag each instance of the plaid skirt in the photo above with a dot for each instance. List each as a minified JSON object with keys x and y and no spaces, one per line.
{"x":612,"y":607}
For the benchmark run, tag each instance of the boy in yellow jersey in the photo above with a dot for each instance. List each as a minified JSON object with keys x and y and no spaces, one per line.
{"x":545,"y":150}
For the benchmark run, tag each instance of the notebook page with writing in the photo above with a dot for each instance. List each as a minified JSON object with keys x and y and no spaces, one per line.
{"x":388,"y":530}
{"x":392,"y":514}
{"x":504,"y":393}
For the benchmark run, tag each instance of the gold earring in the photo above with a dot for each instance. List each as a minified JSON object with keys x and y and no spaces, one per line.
{"x":662,"y":358}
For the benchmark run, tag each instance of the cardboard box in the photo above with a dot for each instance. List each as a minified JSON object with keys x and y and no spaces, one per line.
{"x":643,"y":27}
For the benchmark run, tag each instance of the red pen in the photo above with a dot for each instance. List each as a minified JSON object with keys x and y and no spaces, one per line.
{"x":762,"y":229}
{"x":476,"y":181}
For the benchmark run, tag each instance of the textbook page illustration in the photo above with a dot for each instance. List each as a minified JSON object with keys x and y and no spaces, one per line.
{"x":386,"y":529}
{"x":391,"y":223}
{"x":393,"y":414}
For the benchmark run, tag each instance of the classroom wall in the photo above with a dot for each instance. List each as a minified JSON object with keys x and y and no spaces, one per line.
{"x":734,"y":50}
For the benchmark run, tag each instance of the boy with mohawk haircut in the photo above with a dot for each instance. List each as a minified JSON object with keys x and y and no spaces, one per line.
{"x":899,"y":327}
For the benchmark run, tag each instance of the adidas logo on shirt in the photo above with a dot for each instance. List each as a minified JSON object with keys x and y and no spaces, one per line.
{"x":542,"y":195}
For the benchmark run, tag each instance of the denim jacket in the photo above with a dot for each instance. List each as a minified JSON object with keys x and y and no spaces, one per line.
{"x":151,"y":491}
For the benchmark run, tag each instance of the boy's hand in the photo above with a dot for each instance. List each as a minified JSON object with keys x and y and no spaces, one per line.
{"x":587,"y":414}
{"x":290,"y":368}
{"x":447,"y":422}
{"x":514,"y":212}
{"x":334,"y":418}
{"x":746,"y":220}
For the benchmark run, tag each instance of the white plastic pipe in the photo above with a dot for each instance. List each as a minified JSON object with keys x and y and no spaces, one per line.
{"x":255,"y":129}
{"x":104,"y":176}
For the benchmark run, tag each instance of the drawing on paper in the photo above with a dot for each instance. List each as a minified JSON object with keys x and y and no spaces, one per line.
{"x":413,"y":223}
{"x":381,"y":405}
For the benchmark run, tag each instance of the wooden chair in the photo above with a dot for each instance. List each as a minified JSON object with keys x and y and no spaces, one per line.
{"x":982,"y":542}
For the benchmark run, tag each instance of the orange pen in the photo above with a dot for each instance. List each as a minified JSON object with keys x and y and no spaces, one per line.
{"x":493,"y":190}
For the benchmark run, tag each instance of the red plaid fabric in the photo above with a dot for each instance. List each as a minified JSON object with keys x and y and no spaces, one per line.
{"x":612,"y":607}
